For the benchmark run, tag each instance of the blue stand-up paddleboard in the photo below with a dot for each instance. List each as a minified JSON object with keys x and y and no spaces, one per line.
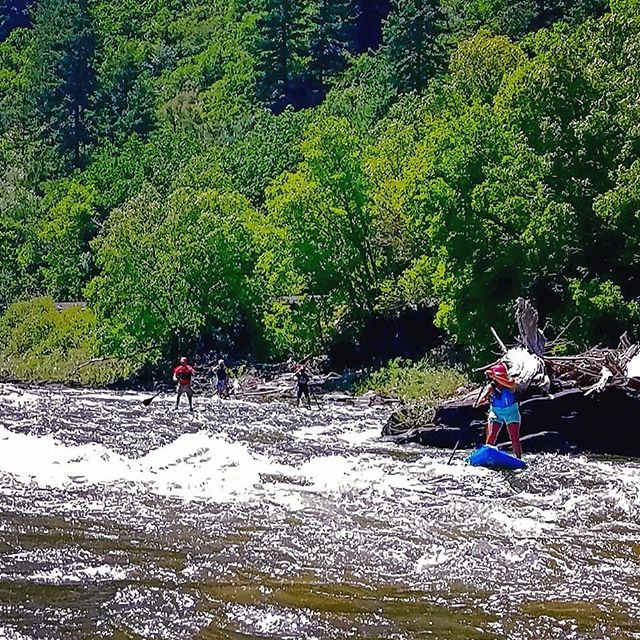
{"x":492,"y":458}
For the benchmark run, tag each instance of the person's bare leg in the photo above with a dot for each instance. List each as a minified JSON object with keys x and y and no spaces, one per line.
{"x":514,"y":434}
{"x":493,"y":430}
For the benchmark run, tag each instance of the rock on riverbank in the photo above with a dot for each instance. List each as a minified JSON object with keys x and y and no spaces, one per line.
{"x":569,"y":421}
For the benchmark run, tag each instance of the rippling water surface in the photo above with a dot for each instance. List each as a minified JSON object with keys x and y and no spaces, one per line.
{"x":265,"y":521}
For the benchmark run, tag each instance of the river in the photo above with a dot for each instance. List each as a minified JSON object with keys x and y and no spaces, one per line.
{"x":264,"y":521}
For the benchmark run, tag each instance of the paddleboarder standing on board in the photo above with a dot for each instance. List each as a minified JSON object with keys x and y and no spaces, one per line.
{"x":503,"y":407}
{"x":182,"y":374}
{"x":222,"y":380}
{"x":302,"y":382}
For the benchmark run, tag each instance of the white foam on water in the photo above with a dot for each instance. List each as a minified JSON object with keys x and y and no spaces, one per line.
{"x":8,"y":633}
{"x":438,"y":555}
{"x":343,"y":475}
{"x":365,"y":507}
{"x":156,"y":612}
{"x":47,"y":462}
{"x":360,"y":437}
{"x":440,"y":467}
{"x":512,"y":524}
{"x":78,"y":575}
{"x":274,"y":622}
{"x":201,"y":465}
{"x":15,"y":396}
{"x":197,"y":465}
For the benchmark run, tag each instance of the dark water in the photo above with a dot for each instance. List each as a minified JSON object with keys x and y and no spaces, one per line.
{"x":262,"y":521}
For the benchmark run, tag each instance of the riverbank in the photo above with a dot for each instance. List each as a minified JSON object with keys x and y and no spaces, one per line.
{"x":432,"y":404}
{"x":422,"y":382}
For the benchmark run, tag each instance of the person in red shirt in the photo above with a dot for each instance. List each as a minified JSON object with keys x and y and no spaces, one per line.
{"x":182,"y":374}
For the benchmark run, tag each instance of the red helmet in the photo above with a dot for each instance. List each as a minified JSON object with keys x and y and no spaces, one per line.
{"x":498,"y":370}
{"x":184,"y":360}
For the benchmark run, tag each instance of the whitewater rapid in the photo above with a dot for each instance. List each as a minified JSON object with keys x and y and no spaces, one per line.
{"x":249,"y":520}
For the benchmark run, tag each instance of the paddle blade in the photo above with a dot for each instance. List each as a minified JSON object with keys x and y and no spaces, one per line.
{"x":148,"y":401}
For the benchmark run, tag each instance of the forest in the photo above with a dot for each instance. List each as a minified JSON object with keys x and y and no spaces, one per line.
{"x":262,"y":178}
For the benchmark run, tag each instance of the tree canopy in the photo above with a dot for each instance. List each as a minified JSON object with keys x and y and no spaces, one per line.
{"x":191,"y":167}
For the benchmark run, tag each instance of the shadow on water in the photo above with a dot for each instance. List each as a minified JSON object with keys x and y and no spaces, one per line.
{"x":352,"y":610}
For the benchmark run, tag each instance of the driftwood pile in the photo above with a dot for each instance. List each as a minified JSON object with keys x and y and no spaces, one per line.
{"x":586,"y":402}
{"x":281,"y":385}
{"x":592,"y":371}
{"x":266,"y":385}
{"x":598,"y":369}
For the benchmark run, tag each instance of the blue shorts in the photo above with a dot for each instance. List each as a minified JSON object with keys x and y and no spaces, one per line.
{"x":505,"y":415}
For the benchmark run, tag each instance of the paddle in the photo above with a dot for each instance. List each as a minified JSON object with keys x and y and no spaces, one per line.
{"x":453,"y":453}
{"x":147,"y":401}
{"x":482,"y":388}
{"x":314,"y":397}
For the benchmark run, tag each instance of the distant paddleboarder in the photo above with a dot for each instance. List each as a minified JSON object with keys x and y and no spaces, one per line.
{"x":503,"y":407}
{"x":222,"y":380}
{"x":182,"y":374}
{"x":302,"y":382}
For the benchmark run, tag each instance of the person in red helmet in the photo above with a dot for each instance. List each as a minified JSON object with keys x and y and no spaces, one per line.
{"x":503,"y":407}
{"x":182,"y":374}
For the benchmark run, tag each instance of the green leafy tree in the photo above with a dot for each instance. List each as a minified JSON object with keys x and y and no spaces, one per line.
{"x":603,"y":309}
{"x":271,"y":147}
{"x":12,"y":236}
{"x":20,"y":211}
{"x":472,"y":204}
{"x":575,"y":104}
{"x":323,"y":211}
{"x":125,"y":98}
{"x":619,"y":209}
{"x":173,"y":270}
{"x":14,"y":57}
{"x":480,"y":64}
{"x":118,"y":173}
{"x":363,"y":93}
{"x":211,"y":89}
{"x":38,"y":342}
{"x":13,"y":14}
{"x":516,"y":18}
{"x":130,"y":19}
{"x":63,"y":237}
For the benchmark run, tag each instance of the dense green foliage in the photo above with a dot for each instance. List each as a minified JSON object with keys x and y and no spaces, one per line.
{"x":424,"y":380}
{"x":41,"y":343}
{"x":243,"y":176}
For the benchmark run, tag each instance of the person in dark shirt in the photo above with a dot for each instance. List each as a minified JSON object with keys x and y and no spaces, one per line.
{"x":222,"y":380}
{"x":302,"y":383}
{"x":182,"y":374}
